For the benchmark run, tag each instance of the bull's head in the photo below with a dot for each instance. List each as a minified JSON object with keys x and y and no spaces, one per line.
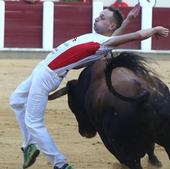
{"x":76,"y":104}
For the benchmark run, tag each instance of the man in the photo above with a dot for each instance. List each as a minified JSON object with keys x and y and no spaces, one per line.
{"x":30,"y":98}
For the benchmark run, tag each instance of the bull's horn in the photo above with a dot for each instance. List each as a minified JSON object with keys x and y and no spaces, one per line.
{"x":59,"y":93}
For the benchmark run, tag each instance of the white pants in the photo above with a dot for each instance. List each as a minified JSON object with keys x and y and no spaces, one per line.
{"x":29,"y":101}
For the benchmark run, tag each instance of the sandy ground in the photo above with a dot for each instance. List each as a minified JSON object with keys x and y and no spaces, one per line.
{"x":82,"y":153}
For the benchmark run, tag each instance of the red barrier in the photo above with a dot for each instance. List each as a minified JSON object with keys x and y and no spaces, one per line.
{"x":161,"y":16}
{"x":71,"y":20}
{"x":23,"y":25}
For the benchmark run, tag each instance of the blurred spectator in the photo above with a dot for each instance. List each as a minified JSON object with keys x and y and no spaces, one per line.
{"x":31,"y":1}
{"x":120,"y":4}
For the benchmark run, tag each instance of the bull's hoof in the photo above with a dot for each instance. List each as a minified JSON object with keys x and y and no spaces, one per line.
{"x":154,"y":161}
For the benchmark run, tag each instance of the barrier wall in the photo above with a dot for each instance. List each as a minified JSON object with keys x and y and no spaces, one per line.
{"x":161,"y":16}
{"x":24,"y":24}
{"x":71,"y":20}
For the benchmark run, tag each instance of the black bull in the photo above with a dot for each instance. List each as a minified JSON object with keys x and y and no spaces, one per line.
{"x":130,"y":112}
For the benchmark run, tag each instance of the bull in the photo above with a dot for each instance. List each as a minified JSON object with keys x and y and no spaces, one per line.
{"x":126,"y":104}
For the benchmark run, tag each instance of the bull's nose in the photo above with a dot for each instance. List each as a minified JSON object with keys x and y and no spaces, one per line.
{"x":89,"y":135}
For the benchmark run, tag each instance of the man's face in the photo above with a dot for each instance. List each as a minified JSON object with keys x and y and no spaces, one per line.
{"x":104,"y":23}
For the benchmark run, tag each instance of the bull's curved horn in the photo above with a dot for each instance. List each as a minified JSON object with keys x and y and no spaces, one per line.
{"x":59,"y":93}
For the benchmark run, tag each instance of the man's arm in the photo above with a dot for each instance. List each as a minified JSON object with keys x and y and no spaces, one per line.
{"x":158,"y":31}
{"x":130,"y":17}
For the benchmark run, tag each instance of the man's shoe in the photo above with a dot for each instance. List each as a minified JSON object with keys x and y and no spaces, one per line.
{"x":65,"y":166}
{"x":30,"y":155}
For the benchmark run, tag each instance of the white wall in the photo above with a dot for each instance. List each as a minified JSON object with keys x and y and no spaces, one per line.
{"x":159,"y":3}
{"x":163,"y":3}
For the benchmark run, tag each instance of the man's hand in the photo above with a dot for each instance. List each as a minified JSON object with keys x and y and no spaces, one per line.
{"x":134,"y":12}
{"x":130,"y":17}
{"x":160,"y":31}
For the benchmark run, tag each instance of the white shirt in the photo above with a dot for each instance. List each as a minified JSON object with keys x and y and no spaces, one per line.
{"x":76,"y":52}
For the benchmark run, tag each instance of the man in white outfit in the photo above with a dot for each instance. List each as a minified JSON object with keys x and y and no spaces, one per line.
{"x":30,"y":98}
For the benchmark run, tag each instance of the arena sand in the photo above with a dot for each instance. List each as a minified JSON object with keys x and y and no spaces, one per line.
{"x":82,"y":153}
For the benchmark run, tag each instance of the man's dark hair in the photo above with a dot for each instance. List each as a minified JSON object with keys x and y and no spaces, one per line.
{"x":117,"y":15}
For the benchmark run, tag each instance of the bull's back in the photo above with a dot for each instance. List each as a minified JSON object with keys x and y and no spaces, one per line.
{"x":123,"y":80}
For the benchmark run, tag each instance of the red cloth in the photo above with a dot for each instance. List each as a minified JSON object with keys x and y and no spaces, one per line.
{"x":120,"y":5}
